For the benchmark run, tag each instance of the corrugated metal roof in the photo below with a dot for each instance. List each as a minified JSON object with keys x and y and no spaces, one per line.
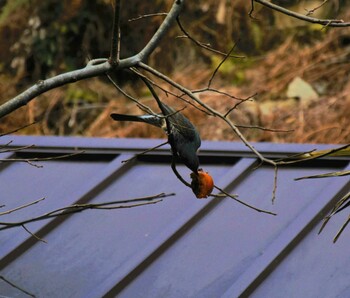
{"x":181,"y":247}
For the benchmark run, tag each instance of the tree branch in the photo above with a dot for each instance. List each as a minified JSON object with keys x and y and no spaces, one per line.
{"x":94,"y":68}
{"x":164,"y":27}
{"x":21,"y":207}
{"x":115,"y":44}
{"x":31,"y":161}
{"x":91,"y":70}
{"x":82,"y":207}
{"x":311,"y":11}
{"x":234,"y":197}
{"x":16,"y":287}
{"x":202,"y":44}
{"x":324,"y":22}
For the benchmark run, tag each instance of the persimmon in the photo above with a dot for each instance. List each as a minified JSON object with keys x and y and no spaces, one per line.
{"x":202,"y":184}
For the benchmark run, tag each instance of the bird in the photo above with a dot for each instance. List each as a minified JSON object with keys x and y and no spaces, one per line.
{"x":183,"y":136}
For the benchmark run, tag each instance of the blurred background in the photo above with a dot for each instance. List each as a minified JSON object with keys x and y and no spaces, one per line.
{"x":296,"y":73}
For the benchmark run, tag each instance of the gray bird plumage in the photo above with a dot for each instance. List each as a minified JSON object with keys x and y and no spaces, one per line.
{"x":183,"y":136}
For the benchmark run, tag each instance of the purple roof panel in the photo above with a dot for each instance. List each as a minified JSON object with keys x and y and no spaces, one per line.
{"x":181,"y":247}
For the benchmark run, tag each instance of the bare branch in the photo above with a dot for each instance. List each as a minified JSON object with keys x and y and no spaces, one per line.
{"x":31,"y":161}
{"x":161,"y":14}
{"x":203,"y":45}
{"x":21,"y":207}
{"x":324,"y":22}
{"x":239,"y":201}
{"x":16,"y":149}
{"x":45,"y":85}
{"x":16,"y":287}
{"x":94,"y":68}
{"x":169,"y":92}
{"x":145,"y":152}
{"x":17,"y":129}
{"x":236,"y":105}
{"x":311,"y":11}
{"x":250,"y":14}
{"x":82,"y":207}
{"x":219,"y":65}
{"x":264,"y":128}
{"x":164,"y":27}
{"x":341,"y":230}
{"x":34,"y":235}
{"x":115,"y":44}
{"x":223,"y":93}
{"x":313,"y":154}
{"x":326,"y":175}
{"x":275,"y":175}
{"x":135,"y":100}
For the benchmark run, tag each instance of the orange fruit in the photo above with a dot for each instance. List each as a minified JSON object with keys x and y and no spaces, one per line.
{"x":202,"y":184}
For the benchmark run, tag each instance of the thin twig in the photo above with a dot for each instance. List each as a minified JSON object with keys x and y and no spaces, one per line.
{"x":314,"y":154}
{"x":144,"y":152}
{"x":325,"y":221}
{"x":241,"y":202}
{"x":326,"y":175}
{"x":250,"y":13}
{"x":168,"y":91}
{"x":16,"y":287}
{"x":341,"y":230}
{"x":31,"y":161}
{"x":17,"y":129}
{"x":220,"y":64}
{"x":275,"y":175}
{"x":223,"y":93}
{"x":311,"y":11}
{"x":82,"y":207}
{"x":161,"y":14}
{"x":16,"y":149}
{"x":237,"y":104}
{"x":340,"y":205}
{"x":201,"y":44}
{"x":264,"y":128}
{"x":129,"y":206}
{"x":33,"y":235}
{"x":325,"y":22}
{"x":21,"y":207}
{"x":135,"y":100}
{"x":164,"y":27}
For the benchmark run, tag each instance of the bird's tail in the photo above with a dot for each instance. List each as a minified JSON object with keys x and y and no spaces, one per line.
{"x":150,"y":119}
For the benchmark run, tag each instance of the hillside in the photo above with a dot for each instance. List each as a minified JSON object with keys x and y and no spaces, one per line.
{"x":295,"y":74}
